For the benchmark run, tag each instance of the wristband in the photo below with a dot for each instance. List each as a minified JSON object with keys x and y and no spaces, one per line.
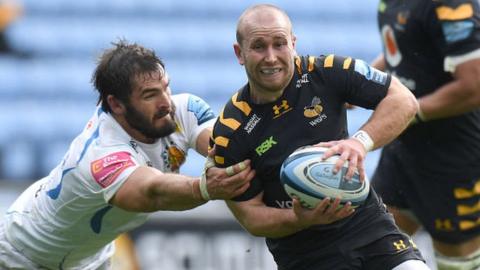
{"x":364,"y":139}
{"x":203,"y":187}
{"x":419,"y":116}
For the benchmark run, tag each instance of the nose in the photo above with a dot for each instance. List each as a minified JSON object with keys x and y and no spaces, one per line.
{"x":270,"y":55}
{"x":163,"y":102}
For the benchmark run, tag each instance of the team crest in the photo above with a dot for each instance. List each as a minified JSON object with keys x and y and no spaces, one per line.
{"x":314,"y":109}
{"x":173,"y":157}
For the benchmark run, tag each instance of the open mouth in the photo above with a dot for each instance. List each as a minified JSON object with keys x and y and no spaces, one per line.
{"x":270,"y":71}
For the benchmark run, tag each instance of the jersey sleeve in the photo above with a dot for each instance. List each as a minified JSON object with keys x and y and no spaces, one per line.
{"x":454,"y":25}
{"x":194,"y":116}
{"x":354,"y":80}
{"x":108,"y":168}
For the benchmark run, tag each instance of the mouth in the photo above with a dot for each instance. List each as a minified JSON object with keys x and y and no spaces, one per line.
{"x":161,"y":114}
{"x":270,"y":71}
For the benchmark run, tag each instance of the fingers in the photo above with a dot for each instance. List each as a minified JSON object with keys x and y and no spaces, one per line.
{"x":211,"y":152}
{"x":341,"y":161}
{"x":234,"y":169}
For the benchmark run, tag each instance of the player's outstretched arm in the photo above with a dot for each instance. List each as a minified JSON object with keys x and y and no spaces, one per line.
{"x":456,"y":97}
{"x":148,"y":189}
{"x":261,"y":220}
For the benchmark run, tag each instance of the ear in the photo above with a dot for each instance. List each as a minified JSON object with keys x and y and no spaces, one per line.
{"x":116,"y":105}
{"x":294,"y":41}
{"x":238,"y":52}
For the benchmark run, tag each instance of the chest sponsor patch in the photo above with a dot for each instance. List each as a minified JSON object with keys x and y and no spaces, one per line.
{"x":106,"y":169}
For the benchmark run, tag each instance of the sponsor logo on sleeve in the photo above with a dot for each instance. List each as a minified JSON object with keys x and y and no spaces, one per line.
{"x":456,"y":31}
{"x":370,"y":73}
{"x":106,"y":169}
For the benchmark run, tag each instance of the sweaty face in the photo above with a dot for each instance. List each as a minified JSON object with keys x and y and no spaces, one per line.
{"x":267,"y":51}
{"x":151,"y":111}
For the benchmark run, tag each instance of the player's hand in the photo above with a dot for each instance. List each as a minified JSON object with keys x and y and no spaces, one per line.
{"x":227,"y":183}
{"x":350,"y":150}
{"x":326,"y":212}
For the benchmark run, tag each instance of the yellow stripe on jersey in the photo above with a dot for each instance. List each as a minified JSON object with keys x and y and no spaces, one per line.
{"x":222,"y":141}
{"x":229,"y":122}
{"x":241,"y":105}
{"x":463,"y":210}
{"x":219,"y":160}
{"x":463,"y":193}
{"x":347,"y":62}
{"x":468,"y":224}
{"x":311,"y":63}
{"x":328,"y":61}
{"x":298,"y":63}
{"x":462,"y":12}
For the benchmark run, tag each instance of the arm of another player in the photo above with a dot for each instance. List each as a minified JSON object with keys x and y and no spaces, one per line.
{"x":261,"y":220}
{"x":148,"y":189}
{"x":391,"y":116}
{"x":379,"y":62}
{"x":456,"y":97}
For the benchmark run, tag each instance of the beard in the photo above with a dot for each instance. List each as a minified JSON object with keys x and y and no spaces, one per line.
{"x":144,"y":125}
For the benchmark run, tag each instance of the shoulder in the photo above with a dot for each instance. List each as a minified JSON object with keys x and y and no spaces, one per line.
{"x":228,"y":126}
{"x":191,"y":104}
{"x":454,"y":10}
{"x":233,"y":115}
{"x":311,"y":63}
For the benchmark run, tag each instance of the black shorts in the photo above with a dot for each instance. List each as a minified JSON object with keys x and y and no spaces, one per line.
{"x":382,"y":254}
{"x":447,"y":204}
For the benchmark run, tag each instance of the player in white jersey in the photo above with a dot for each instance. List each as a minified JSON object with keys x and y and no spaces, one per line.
{"x":121,"y":167}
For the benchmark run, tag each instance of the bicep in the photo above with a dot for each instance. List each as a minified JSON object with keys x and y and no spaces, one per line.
{"x":134,"y":193}
{"x":202,"y":141}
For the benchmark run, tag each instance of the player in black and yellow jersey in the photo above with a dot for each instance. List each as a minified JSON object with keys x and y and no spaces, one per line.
{"x":291,"y":101}
{"x":430,"y":175}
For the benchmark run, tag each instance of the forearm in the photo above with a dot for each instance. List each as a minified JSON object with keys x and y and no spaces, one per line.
{"x":449,"y":100}
{"x":175,"y":192}
{"x":379,"y":62}
{"x":264,"y":221}
{"x":392,"y":115}
{"x":148,"y":190}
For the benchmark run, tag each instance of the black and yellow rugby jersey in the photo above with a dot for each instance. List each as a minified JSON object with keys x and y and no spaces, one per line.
{"x":311,"y":110}
{"x":417,"y":38}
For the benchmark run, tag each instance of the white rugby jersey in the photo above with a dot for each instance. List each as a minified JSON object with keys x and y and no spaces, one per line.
{"x":64,"y":221}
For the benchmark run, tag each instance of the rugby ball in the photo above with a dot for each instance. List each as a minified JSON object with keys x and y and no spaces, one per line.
{"x":309,"y":178}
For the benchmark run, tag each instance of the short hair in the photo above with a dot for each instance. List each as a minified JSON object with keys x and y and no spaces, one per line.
{"x":119,"y":67}
{"x":239,"y":35}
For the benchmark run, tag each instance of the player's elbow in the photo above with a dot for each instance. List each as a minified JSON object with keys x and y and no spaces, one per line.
{"x":471,"y":92}
{"x":404,"y":97}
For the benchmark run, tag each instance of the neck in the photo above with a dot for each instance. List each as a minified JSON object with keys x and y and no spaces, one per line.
{"x":260,"y":96}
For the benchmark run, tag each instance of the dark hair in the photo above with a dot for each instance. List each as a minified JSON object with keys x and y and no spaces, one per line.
{"x":119,"y":67}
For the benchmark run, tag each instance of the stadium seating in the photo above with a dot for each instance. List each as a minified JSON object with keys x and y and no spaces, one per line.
{"x":46,"y":99}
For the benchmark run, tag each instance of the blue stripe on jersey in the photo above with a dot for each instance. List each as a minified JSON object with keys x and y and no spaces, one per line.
{"x":89,"y":141}
{"x":96,"y":221}
{"x":55,"y":192}
{"x":200,"y":109}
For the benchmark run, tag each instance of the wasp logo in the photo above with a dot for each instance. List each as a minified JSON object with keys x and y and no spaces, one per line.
{"x":314,"y":109}
{"x":281,"y":109}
